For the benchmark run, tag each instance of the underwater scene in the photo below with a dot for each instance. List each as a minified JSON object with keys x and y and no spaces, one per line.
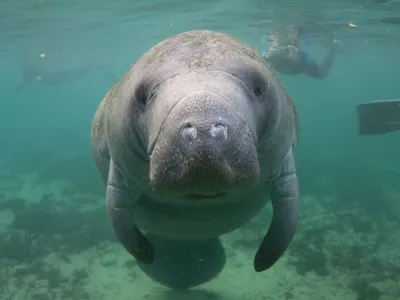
{"x":196,"y":150}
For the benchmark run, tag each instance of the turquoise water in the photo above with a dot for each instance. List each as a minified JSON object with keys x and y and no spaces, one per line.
{"x":55,"y":237}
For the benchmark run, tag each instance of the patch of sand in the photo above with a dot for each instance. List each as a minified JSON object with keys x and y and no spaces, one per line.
{"x":317,"y":265}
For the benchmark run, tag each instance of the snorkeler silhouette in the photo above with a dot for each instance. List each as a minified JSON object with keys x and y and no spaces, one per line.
{"x":32,"y":74}
{"x":287,"y":53}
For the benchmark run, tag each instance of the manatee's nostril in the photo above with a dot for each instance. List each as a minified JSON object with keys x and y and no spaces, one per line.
{"x":219,"y":131}
{"x":189,"y":132}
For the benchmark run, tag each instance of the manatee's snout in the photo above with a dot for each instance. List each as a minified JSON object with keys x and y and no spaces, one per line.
{"x":205,"y":148}
{"x":208,"y":141}
{"x":215,"y":136}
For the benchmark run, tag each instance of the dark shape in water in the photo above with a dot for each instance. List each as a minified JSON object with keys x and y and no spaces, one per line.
{"x":32,"y":74}
{"x":378,"y":117}
{"x":391,"y":20}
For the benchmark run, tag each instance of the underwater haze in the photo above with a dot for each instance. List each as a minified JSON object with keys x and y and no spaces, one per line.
{"x":59,"y":58}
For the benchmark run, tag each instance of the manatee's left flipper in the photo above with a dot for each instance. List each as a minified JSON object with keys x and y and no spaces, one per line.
{"x":285,"y":198}
{"x":120,"y":203}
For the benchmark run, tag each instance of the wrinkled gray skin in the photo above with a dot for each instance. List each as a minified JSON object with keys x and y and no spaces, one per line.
{"x":193,"y":142}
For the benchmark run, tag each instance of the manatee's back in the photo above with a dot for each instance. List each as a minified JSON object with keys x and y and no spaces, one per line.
{"x":196,"y":50}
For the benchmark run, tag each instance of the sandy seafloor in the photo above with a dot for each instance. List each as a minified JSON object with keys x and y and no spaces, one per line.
{"x":56,"y":243}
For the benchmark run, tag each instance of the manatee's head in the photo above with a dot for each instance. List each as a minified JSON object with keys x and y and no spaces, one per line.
{"x":203,"y":104}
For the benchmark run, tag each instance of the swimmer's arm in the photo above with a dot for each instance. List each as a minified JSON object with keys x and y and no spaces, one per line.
{"x":316,"y":71}
{"x":313,"y":70}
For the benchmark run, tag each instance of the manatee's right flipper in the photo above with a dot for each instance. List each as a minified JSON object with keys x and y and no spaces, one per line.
{"x":120,"y":206}
{"x":285,"y":198}
{"x":183,"y":264}
{"x":378,"y":117}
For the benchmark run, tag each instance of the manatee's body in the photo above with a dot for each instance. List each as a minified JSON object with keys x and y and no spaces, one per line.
{"x":192,"y":142}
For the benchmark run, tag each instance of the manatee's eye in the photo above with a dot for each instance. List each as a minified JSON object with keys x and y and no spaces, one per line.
{"x":254,"y":80}
{"x":257,"y":84}
{"x":257,"y":91}
{"x":141,"y":96}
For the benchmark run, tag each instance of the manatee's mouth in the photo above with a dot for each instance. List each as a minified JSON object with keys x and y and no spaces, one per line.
{"x":195,"y":196}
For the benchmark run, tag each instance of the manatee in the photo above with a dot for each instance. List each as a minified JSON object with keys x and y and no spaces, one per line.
{"x":192,"y":143}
